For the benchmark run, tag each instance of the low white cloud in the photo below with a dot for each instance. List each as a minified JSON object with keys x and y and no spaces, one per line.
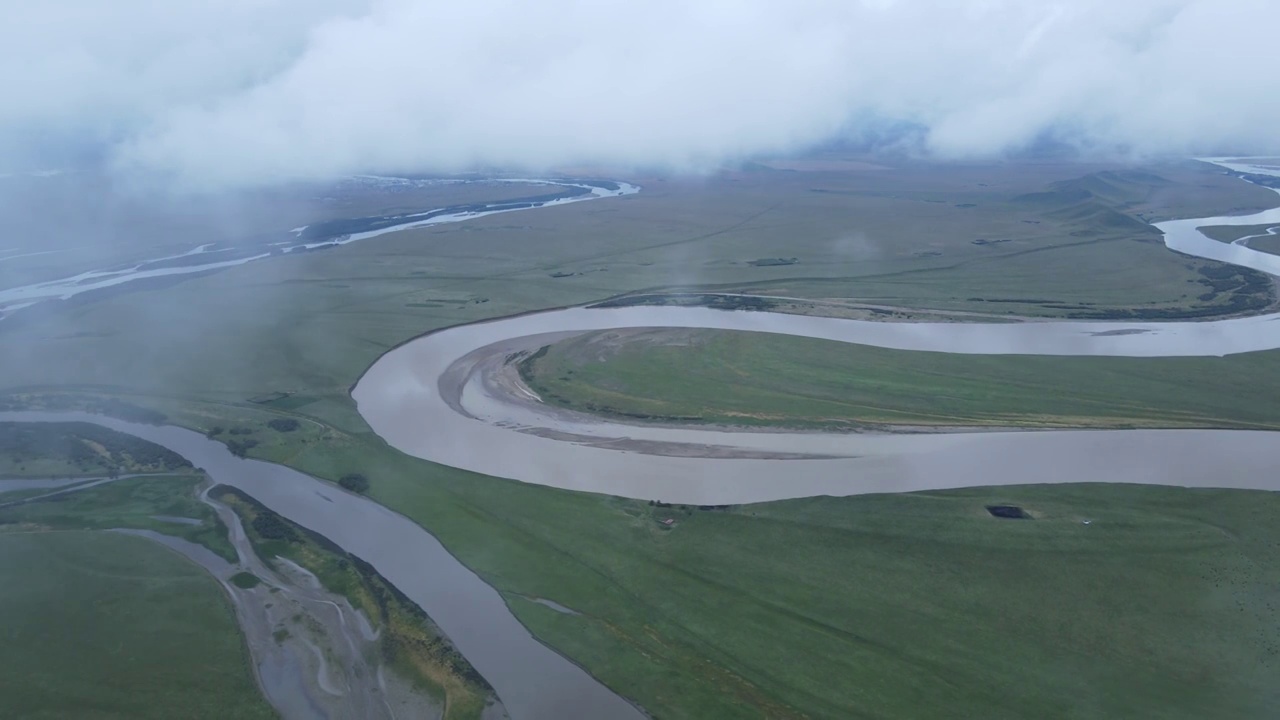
{"x":257,"y":91}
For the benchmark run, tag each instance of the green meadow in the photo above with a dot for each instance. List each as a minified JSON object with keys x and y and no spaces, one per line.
{"x":761,"y":379}
{"x":918,"y":605}
{"x":102,"y":625}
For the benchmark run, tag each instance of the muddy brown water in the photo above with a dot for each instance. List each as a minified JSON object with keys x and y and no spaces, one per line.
{"x":533,"y":681}
{"x":438,"y":397}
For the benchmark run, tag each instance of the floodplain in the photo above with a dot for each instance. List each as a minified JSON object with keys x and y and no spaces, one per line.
{"x":874,"y":605}
{"x":723,"y":377}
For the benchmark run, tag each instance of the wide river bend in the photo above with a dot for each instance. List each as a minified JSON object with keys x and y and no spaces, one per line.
{"x":429,"y":398}
{"x":435,"y":398}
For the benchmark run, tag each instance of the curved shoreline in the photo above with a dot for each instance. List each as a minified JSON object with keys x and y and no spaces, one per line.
{"x":429,"y":398}
{"x":532,"y":680}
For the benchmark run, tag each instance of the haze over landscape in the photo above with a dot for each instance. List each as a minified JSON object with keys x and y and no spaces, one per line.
{"x":493,"y":360}
{"x":260,"y":91}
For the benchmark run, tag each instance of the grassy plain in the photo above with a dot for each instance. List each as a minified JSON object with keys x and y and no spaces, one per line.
{"x":760,"y":379}
{"x":100,"y":625}
{"x":1260,"y":237}
{"x":736,"y":614}
{"x":697,"y":629}
{"x":1266,"y":244}
{"x":9,"y":496}
{"x":1231,"y":233}
{"x":138,"y":502}
{"x":925,"y":606}
{"x":64,"y":450}
{"x":309,"y":323}
{"x":65,"y":225}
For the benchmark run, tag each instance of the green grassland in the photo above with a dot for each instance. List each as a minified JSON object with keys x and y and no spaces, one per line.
{"x":10,"y":496}
{"x":698,"y":629}
{"x":409,"y":641}
{"x":308,"y":324}
{"x":761,"y":379}
{"x":924,"y":606}
{"x":127,"y":503}
{"x":38,"y":450}
{"x":57,"y":215}
{"x":1260,"y":239}
{"x":1266,"y":244}
{"x":689,"y":621}
{"x":742,"y":613}
{"x":716,"y":617}
{"x":1231,"y":233}
{"x":100,"y":625}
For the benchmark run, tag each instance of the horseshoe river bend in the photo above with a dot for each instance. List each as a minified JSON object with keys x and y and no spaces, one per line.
{"x":443,"y":397}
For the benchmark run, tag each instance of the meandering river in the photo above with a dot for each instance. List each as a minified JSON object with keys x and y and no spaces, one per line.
{"x":432,"y":398}
{"x":533,"y":681}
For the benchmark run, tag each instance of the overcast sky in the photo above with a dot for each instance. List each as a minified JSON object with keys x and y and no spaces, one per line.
{"x":251,"y":91}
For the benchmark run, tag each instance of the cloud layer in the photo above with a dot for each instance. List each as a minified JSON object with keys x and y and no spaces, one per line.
{"x":253,"y":91}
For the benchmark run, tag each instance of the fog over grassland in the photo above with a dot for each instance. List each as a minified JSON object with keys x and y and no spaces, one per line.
{"x":255,"y":91}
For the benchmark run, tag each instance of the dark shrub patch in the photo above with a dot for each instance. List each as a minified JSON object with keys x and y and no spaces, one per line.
{"x":245,"y":580}
{"x":270,"y":527}
{"x":240,"y":448}
{"x":283,"y":425}
{"x":354,"y":482}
